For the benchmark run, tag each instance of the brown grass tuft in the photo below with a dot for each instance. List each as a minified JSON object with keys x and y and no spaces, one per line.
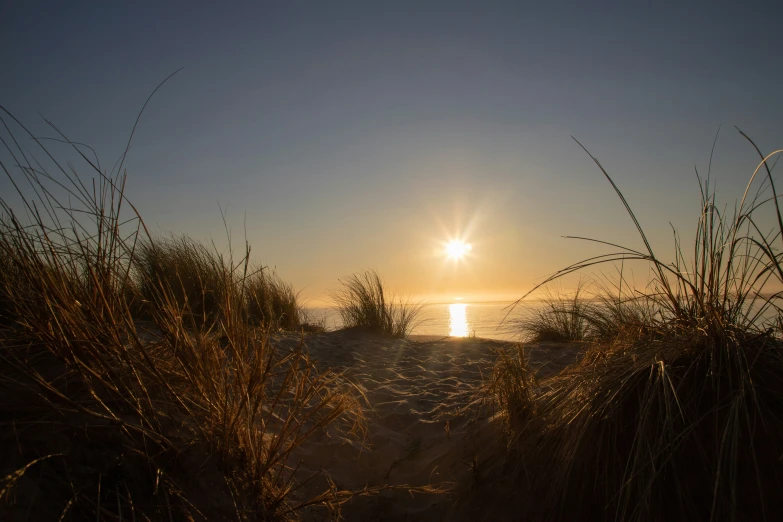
{"x":198,"y":278}
{"x":363,"y":302}
{"x":673,"y":414}
{"x":170,"y":418}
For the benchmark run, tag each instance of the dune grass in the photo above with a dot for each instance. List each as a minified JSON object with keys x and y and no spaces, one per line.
{"x":589,"y":314}
{"x":363,"y":302}
{"x":680,"y":419}
{"x":106,"y":417}
{"x":198,"y":278}
{"x":562,"y":318}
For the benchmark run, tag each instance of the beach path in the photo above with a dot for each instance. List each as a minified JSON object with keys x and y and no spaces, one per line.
{"x":427,"y":425}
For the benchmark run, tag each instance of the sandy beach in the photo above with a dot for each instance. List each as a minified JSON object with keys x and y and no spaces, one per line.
{"x":427,"y":425}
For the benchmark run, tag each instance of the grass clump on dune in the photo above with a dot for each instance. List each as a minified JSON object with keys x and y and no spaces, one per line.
{"x":585,"y":317}
{"x":185,"y":271}
{"x":198,"y":278}
{"x":560,"y":319}
{"x":269,"y":299}
{"x":363,"y":302}
{"x":682,"y":419}
{"x":103,"y":419}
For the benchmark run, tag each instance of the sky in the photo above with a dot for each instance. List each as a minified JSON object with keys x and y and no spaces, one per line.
{"x":344,"y":136}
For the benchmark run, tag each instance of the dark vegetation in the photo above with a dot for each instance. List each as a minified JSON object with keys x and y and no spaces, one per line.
{"x":585,"y":315}
{"x":137,"y":377}
{"x":674,"y":412}
{"x":364,"y":302}
{"x":197,"y":279}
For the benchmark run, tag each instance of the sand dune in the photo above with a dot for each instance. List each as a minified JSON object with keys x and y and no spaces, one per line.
{"x":426,"y":424}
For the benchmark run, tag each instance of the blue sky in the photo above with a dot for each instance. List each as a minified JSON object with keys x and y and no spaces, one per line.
{"x":353,"y":135}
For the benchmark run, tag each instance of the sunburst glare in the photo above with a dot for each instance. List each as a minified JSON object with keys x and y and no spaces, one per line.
{"x":457,"y":249}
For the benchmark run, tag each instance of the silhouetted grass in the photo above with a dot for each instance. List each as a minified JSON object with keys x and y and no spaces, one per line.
{"x":615,"y":315}
{"x":585,"y":316}
{"x":108,"y":418}
{"x":188,"y":273}
{"x":270,"y":300}
{"x":7,"y":276}
{"x":560,"y":319}
{"x":198,"y":278}
{"x":363,"y":302}
{"x":679,"y":419}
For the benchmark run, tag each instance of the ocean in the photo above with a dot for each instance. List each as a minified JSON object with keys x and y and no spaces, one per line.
{"x":488,"y":320}
{"x":456,"y":319}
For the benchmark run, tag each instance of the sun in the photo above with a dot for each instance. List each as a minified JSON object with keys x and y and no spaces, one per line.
{"x":457,"y":249}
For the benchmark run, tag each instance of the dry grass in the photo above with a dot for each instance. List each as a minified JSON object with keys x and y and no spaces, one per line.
{"x":198,"y":278}
{"x":108,"y":418}
{"x":562,"y":318}
{"x":590,"y":314}
{"x":363,"y":302}
{"x":678,"y":419}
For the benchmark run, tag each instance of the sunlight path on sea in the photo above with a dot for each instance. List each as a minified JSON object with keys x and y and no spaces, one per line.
{"x":461,"y":319}
{"x":458,"y":320}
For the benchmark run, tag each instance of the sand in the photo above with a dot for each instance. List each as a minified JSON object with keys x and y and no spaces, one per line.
{"x":427,"y":425}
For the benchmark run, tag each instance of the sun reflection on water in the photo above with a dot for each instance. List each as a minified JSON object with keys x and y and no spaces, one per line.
{"x":458,"y":320}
